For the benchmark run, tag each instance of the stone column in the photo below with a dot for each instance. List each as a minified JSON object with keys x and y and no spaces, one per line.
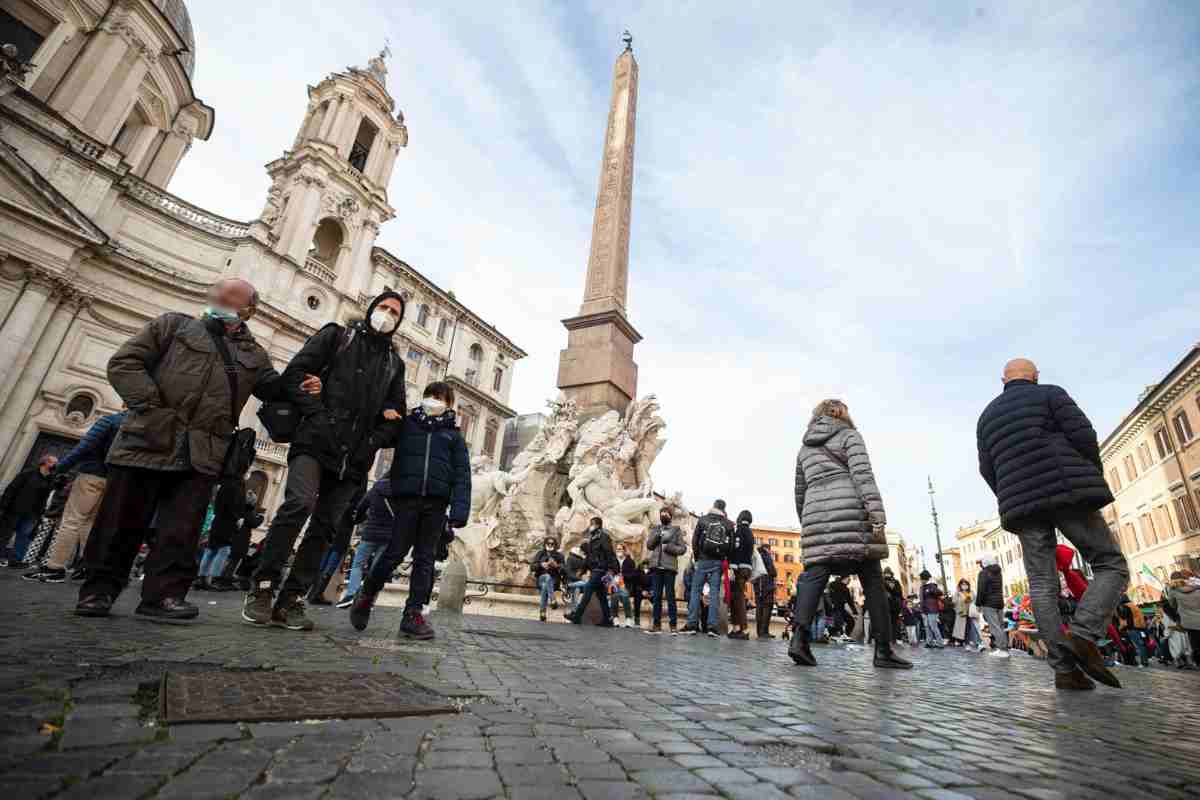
{"x":361,"y":269}
{"x":106,"y":119}
{"x":382,"y":175}
{"x":174,"y":146}
{"x":138,"y":155}
{"x":332,"y":115}
{"x":66,"y":308}
{"x":295,"y":237}
{"x":22,"y":329}
{"x":84,"y":83}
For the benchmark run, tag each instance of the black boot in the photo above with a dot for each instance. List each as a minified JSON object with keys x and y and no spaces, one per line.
{"x":799,"y":650}
{"x":316,"y":595}
{"x":360,"y":611}
{"x":885,"y":658}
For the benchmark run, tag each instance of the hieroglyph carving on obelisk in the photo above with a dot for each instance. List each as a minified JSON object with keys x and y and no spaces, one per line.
{"x":608,"y":262}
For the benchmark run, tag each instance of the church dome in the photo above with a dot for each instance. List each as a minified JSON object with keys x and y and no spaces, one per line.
{"x":177,"y":13}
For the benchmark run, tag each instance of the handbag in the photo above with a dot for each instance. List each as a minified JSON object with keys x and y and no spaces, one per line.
{"x":240,"y":455}
{"x":757,"y":568}
{"x":281,"y":418}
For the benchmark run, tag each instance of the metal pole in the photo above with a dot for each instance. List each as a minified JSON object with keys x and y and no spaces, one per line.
{"x":937,"y":533}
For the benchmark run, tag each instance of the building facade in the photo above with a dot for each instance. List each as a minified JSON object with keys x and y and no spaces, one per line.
{"x":785,"y":545}
{"x":97,"y":109}
{"x":1152,"y":463}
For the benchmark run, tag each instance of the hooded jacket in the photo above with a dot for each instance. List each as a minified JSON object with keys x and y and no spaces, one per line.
{"x":27,"y":493}
{"x":837,"y":499}
{"x":1076,"y":583}
{"x":989,"y":586}
{"x":362,"y":376}
{"x":1038,"y":452}
{"x":1185,"y":598}
{"x":599,"y":552}
{"x":376,"y":509}
{"x":698,"y":552}
{"x":664,"y":547}
{"x":742,"y":550}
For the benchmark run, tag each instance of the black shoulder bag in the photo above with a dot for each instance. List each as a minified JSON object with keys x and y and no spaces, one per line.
{"x":281,"y":418}
{"x":240,"y":455}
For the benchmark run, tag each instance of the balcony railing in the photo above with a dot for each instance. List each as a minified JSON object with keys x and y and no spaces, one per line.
{"x":320,"y":269}
{"x":172,"y":205}
{"x":269,"y":448}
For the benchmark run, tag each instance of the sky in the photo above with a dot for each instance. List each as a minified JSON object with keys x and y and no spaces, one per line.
{"x":875,"y":202}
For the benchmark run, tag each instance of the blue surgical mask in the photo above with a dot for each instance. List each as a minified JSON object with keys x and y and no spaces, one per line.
{"x":222,"y":314}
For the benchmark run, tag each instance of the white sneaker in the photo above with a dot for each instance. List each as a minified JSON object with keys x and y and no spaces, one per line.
{"x":628,"y":623}
{"x":999,"y":654}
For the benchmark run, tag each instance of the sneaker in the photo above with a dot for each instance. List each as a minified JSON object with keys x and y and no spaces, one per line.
{"x":673,"y":631}
{"x":654,"y":630}
{"x":289,"y":614}
{"x":94,"y":605}
{"x":168,"y":609}
{"x":628,"y":623}
{"x":17,"y":565}
{"x":414,"y":626}
{"x":256,"y":608}
{"x":360,"y":611}
{"x":542,"y":615}
{"x":45,"y":575}
{"x":571,"y":618}
{"x":346,"y":602}
{"x":689,"y":630}
{"x":999,"y":654}
{"x":714,"y":635}
{"x":79,"y":574}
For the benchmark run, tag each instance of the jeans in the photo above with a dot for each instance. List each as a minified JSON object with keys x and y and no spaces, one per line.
{"x":971,"y":634}
{"x":1087,"y":531}
{"x":662,"y":584}
{"x":764,"y":601}
{"x":365,"y":556}
{"x":996,"y":624}
{"x":79,"y":514}
{"x":1138,"y":638}
{"x":213,"y":562}
{"x":621,"y":595}
{"x":545,"y":583}
{"x":418,"y":527}
{"x":707,"y":571}
{"x":24,"y":531}
{"x":571,"y":588}
{"x":933,"y":629}
{"x":595,"y":585}
{"x":817,"y":629}
{"x":738,"y":592}
{"x":136,"y":503}
{"x":811,"y":585}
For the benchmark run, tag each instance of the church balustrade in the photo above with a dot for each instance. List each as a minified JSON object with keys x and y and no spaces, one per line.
{"x":316,"y":267}
{"x":182,"y":210}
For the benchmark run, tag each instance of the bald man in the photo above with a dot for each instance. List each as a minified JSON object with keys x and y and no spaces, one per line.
{"x":1038,"y":452}
{"x":185,"y":380}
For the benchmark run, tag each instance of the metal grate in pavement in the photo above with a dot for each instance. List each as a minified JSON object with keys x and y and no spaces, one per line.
{"x":261,"y":696}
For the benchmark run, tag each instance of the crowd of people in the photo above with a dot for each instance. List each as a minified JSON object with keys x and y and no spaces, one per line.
{"x":160,"y":487}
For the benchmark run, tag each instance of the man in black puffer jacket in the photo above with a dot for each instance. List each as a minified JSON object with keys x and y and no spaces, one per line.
{"x":989,"y":597}
{"x":1039,"y":454}
{"x":360,"y":406}
{"x":431,"y":485}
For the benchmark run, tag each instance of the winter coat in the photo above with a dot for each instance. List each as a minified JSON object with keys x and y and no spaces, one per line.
{"x":664,"y":547}
{"x":92,"y":449}
{"x":229,"y":508}
{"x":1039,"y":454}
{"x":1076,"y":583}
{"x":377,"y":510}
{"x":634,"y":576}
{"x":931,"y":595}
{"x":1186,"y":602}
{"x":895,"y":597}
{"x":837,"y":499}
{"x":742,"y":550}
{"x":989,"y":588}
{"x":840,"y":597}
{"x":362,"y":376}
{"x":431,"y":460}
{"x":26,"y":494}
{"x":172,"y":377}
{"x":698,"y":553}
{"x":576,"y":567}
{"x":599,"y":552}
{"x":541,"y":568}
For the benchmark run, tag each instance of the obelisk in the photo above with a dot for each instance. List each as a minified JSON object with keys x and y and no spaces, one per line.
{"x":597,"y":369}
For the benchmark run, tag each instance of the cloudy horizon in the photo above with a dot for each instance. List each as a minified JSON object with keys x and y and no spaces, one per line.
{"x":876,"y":204}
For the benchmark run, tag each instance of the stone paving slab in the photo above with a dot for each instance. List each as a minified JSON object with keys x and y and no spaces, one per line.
{"x":564,"y":712}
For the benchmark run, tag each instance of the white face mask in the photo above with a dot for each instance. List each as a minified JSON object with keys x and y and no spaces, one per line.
{"x":433,"y":407}
{"x":384,"y":321}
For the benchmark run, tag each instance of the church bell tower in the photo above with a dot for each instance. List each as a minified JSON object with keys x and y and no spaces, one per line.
{"x":328,"y":194}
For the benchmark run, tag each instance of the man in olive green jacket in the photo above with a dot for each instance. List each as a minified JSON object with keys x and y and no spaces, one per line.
{"x":170,"y":451}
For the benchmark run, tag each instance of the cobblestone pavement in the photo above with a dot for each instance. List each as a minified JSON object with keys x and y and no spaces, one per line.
{"x":559,"y":712}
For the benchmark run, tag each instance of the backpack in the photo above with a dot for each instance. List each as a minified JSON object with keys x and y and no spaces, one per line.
{"x":714,"y":540}
{"x":281,"y":418}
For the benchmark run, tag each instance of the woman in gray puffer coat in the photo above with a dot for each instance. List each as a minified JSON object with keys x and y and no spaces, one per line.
{"x":842,"y":528}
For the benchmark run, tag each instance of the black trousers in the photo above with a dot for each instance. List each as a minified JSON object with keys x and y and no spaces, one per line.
{"x":595,"y":586}
{"x":764,"y":601}
{"x":313,"y":495}
{"x":134,"y":499}
{"x":811,"y":584}
{"x":418,"y":527}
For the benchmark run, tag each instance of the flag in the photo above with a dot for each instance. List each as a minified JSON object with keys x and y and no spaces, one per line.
{"x":1152,"y":579}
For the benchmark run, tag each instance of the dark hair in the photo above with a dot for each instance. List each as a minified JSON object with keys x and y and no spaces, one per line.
{"x":440,"y":390}
{"x":925,"y":575}
{"x":598,"y":521}
{"x":745,"y":517}
{"x":719,"y":505}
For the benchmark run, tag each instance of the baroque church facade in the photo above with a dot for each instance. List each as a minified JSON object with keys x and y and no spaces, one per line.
{"x":97,"y":109}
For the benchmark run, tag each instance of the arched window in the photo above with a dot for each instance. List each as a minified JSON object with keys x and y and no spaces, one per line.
{"x":257,"y":483}
{"x":443,"y":326}
{"x":475,"y":354}
{"x":787,"y":559}
{"x":423,"y":316}
{"x":327,"y":242}
{"x":489,"y":437}
{"x":361,"y":149}
{"x":81,"y":404}
{"x":497,"y":379}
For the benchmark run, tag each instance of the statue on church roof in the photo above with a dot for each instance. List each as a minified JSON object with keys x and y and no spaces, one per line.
{"x":377,"y":67}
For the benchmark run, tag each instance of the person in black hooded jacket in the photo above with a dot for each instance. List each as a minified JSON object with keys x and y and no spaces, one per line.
{"x":360,"y":406}
{"x":431,"y":492}
{"x":741,"y":564}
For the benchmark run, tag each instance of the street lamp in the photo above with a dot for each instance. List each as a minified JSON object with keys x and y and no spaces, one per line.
{"x":937,"y":533}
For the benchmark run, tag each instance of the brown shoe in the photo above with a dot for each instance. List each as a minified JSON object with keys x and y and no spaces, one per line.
{"x":1089,"y":659}
{"x":1074,"y":681}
